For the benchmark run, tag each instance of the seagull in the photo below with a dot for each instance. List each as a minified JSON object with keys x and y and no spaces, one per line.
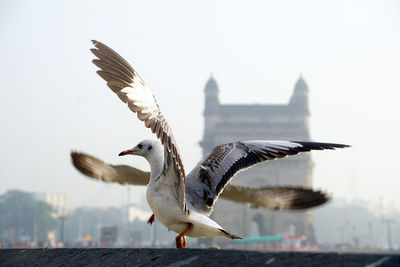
{"x":183,"y":203}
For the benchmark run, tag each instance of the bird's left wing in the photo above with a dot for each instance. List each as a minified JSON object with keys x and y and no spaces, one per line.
{"x":208,"y":179}
{"x":131,"y":89}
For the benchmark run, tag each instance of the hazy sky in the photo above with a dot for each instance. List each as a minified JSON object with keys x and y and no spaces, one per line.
{"x":52,"y":101}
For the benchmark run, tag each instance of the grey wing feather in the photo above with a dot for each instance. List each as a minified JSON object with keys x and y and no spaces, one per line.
{"x":208,"y":179}
{"x":275,"y":197}
{"x":97,"y":169}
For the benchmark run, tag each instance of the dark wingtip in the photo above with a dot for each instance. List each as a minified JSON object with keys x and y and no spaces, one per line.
{"x":319,"y":146}
{"x":75,"y":156}
{"x":340,"y":145}
{"x":314,"y":199}
{"x":299,"y":198}
{"x":79,"y":162}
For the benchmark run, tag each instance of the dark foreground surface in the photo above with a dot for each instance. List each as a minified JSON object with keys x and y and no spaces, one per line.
{"x":186,"y":257}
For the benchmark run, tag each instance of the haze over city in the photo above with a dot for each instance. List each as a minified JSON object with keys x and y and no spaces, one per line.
{"x":54,"y":102}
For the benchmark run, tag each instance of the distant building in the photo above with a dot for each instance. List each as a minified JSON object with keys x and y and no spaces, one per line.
{"x":57,"y":201}
{"x":227,"y":123}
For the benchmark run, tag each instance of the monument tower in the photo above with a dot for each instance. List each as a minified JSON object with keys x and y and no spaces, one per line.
{"x":228,"y":123}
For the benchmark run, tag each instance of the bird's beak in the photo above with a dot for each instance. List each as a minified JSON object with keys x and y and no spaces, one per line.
{"x":127,"y":152}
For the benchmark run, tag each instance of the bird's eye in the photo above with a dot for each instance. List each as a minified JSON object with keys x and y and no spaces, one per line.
{"x":140,"y":146}
{"x":150,"y":147}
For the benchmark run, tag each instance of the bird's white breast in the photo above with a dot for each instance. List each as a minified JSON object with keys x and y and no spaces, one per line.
{"x":165,"y":206}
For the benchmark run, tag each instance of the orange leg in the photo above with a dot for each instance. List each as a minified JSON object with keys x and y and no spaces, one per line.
{"x":180,"y":239}
{"x":184,"y":241}
{"x":178,"y":242}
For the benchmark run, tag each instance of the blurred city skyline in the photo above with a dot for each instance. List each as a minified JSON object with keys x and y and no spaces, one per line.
{"x":54,"y":102}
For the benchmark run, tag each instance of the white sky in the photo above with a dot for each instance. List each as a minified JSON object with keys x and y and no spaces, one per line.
{"x":52,"y":101}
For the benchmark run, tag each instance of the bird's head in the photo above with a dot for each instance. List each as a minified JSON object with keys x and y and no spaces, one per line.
{"x":145,"y":148}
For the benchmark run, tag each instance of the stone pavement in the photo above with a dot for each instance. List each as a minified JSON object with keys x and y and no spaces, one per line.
{"x":186,"y":257}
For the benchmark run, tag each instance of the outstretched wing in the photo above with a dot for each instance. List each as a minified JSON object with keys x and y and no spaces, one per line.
{"x":97,"y":169}
{"x":282,"y":198}
{"x":207,"y":180}
{"x":275,"y":197}
{"x":130,"y":88}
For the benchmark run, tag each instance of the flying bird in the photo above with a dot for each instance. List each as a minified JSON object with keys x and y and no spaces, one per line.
{"x":183,"y":202}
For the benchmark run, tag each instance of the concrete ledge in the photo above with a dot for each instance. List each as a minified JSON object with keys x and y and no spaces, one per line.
{"x":186,"y":257}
